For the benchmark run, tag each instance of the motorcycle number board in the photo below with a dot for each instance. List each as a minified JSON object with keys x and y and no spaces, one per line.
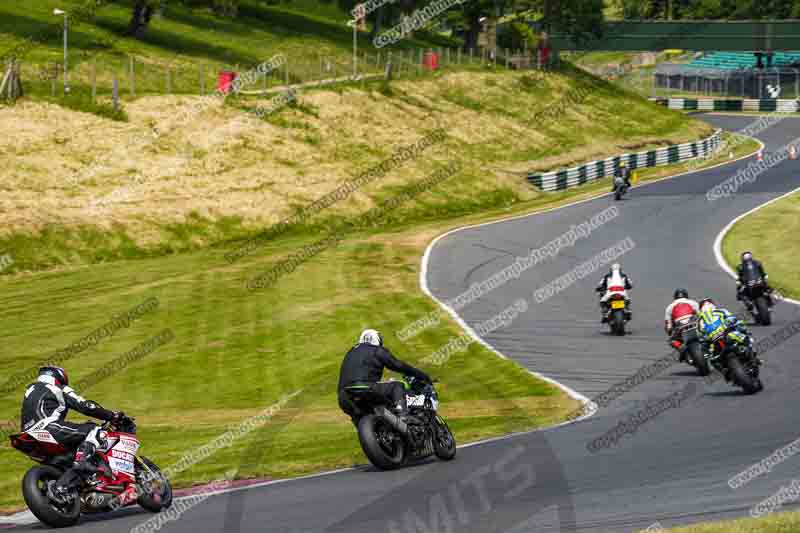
{"x":617,"y":304}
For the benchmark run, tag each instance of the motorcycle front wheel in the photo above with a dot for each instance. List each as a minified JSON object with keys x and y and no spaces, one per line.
{"x":742,"y":378}
{"x":34,"y":490}
{"x":381,"y":444}
{"x":155,"y":494}
{"x":444,"y":443}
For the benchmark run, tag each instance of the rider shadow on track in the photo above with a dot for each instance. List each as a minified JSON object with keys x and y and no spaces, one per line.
{"x":503,"y":487}
{"x":369,"y":469}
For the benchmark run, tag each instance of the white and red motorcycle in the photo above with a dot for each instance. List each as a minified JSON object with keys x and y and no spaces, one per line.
{"x":123,"y":478}
{"x":617,"y":309}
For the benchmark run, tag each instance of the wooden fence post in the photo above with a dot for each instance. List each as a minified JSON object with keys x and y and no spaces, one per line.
{"x":132,"y":76}
{"x":94,"y":80}
{"x":115,"y":93}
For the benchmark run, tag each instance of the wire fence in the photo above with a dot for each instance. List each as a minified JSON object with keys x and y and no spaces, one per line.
{"x":765,"y":83}
{"x":136,"y":76}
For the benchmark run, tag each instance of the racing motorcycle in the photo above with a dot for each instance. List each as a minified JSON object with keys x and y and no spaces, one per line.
{"x":123,"y":477}
{"x":620,"y":188}
{"x":757,"y":299}
{"x":687,"y":341}
{"x":390,"y":441}
{"x":617,"y":311}
{"x":734,"y":356}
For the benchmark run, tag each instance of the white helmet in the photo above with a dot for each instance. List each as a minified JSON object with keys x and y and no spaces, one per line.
{"x":370,"y":336}
{"x":615,"y":266}
{"x":707,"y":303}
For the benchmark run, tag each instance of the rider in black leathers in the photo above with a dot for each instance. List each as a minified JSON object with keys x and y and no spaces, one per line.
{"x":750,"y":270}
{"x":364,"y":364}
{"x":623,"y":171}
{"x":45,"y":406}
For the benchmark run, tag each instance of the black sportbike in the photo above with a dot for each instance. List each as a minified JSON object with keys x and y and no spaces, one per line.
{"x":735,"y":357}
{"x":757,"y":298}
{"x":390,"y":441}
{"x":620,"y":187}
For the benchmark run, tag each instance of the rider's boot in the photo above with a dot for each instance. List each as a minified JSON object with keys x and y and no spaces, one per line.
{"x":82,"y":468}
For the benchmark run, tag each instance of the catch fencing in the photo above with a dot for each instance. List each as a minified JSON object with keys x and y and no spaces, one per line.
{"x":132,"y":76}
{"x":572,"y":177}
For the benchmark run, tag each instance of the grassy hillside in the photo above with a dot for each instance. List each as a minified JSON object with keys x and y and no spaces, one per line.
{"x":186,"y":40}
{"x":184,"y":173}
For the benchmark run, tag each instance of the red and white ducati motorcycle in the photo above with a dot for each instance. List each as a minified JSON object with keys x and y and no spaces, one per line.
{"x":123,"y":476}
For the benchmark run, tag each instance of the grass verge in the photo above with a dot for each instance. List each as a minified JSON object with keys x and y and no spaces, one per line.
{"x":787,"y":522}
{"x":781,"y":221}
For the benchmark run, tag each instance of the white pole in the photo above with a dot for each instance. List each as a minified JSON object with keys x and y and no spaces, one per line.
{"x":66,"y":54}
{"x":355,"y":51}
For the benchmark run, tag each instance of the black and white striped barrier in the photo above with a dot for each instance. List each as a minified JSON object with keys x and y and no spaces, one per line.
{"x":711,"y":104}
{"x":572,"y":177}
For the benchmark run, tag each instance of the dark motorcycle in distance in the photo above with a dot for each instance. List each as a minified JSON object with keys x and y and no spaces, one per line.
{"x":620,"y":188}
{"x":123,"y":476}
{"x":735,"y":357}
{"x":757,"y":299}
{"x":687,"y":341}
{"x":390,"y":441}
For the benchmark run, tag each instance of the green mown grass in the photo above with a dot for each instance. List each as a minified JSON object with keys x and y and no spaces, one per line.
{"x":781,"y":221}
{"x":774,"y":523}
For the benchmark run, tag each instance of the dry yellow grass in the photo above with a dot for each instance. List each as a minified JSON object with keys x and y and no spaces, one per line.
{"x":180,"y":154}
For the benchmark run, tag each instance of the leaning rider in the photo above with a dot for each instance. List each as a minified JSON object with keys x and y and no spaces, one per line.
{"x":614,"y":281}
{"x":45,"y":406}
{"x":712,"y":321}
{"x":751,"y":270}
{"x":362,"y":368}
{"x":679,"y":313}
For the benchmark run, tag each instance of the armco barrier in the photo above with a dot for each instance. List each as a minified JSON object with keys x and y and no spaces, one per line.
{"x":711,"y":104}
{"x":571,"y":177}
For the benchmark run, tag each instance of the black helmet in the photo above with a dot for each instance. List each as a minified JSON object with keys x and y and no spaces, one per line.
{"x":680,"y":293}
{"x":57,"y":373}
{"x":747,"y":256}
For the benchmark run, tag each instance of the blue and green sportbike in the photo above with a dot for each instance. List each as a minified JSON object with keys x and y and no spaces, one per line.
{"x":729,"y":346}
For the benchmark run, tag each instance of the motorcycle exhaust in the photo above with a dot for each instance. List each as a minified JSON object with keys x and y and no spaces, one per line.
{"x":394,"y":421}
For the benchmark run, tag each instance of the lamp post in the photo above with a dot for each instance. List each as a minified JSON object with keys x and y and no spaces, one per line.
{"x":66,"y":56}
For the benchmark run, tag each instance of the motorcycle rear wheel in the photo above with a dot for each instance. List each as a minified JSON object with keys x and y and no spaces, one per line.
{"x":374,"y":434}
{"x":617,"y":322}
{"x":740,"y":377}
{"x":764,"y":318}
{"x":34,"y":490}
{"x":444,"y":443}
{"x":699,"y":359}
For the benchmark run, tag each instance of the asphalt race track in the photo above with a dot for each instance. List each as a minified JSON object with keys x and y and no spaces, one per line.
{"x":673,"y":470}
